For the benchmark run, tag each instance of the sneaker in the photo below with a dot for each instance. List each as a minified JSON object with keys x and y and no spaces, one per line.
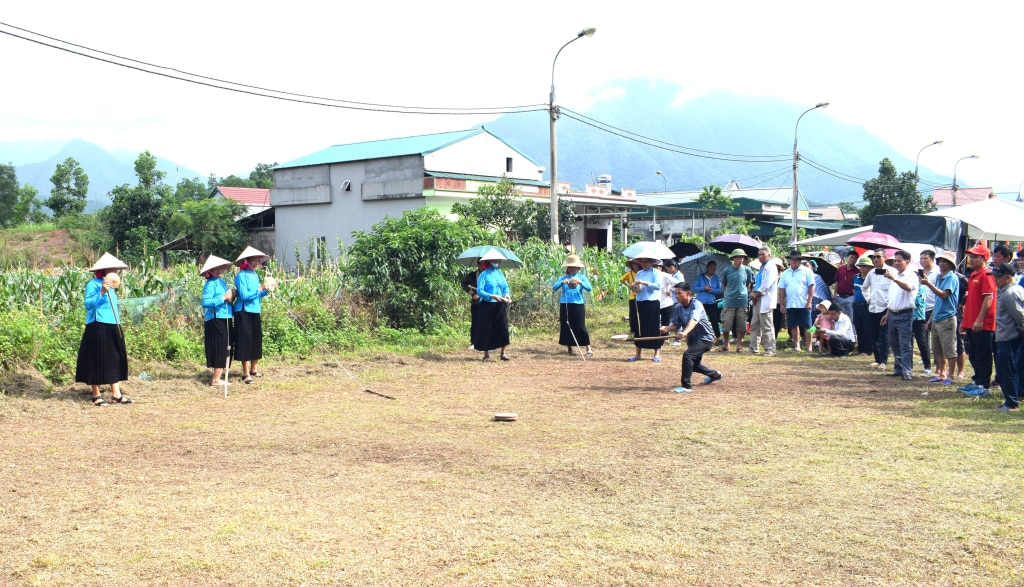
{"x":882,"y":367}
{"x":755,"y":352}
{"x":1006,"y":408}
{"x":968,"y":387}
{"x":928,"y":372}
{"x":907,"y":377}
{"x":676,"y":343}
{"x":874,"y":364}
{"x":977,"y":392}
{"x":769,"y":353}
{"x":682,"y":390}
{"x":712,"y":378}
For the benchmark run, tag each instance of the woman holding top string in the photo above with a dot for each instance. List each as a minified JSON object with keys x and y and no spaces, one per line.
{"x":648,"y":308}
{"x":492,"y":315}
{"x":102,"y":357}
{"x":248,"y":324}
{"x":217,"y":312}
{"x":572,"y":314}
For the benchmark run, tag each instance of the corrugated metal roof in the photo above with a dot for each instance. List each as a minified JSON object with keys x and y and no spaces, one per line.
{"x":486,"y":178}
{"x":247,"y":196}
{"x":418,"y":145}
{"x":944,"y":197}
{"x":781,"y":195}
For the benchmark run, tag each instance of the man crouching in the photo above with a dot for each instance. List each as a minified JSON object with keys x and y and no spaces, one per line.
{"x":690,"y":321}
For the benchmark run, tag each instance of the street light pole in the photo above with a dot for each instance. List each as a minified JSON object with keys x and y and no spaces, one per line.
{"x":553,"y":115}
{"x":796,"y":171}
{"x":1018,"y":190}
{"x":917,"y":178}
{"x":954,"y":174}
{"x":654,"y":223}
{"x":664,"y":191}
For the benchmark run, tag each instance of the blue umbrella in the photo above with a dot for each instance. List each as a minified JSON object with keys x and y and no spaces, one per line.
{"x":472,"y":255}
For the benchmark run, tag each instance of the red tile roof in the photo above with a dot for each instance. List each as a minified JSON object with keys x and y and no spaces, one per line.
{"x":247,"y":196}
{"x":944,"y":197}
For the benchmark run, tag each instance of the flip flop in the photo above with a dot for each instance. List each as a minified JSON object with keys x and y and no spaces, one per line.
{"x":631,"y":359}
{"x":935,"y":380}
{"x":656,"y":360}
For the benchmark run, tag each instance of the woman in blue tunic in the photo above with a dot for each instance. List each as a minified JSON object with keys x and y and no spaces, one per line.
{"x":492,"y":315}
{"x":102,"y":357}
{"x":248,"y":323}
{"x":572,"y":314}
{"x":647,"y":287}
{"x":217,"y":313}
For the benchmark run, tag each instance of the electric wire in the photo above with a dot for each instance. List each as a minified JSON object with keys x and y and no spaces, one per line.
{"x":260,"y":91}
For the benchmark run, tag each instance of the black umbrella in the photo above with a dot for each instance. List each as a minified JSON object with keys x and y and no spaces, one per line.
{"x":683,"y":250}
{"x":826,"y":270}
{"x":727,"y":243}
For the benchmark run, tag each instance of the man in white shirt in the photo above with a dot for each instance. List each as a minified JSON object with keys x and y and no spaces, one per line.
{"x":876,"y":291}
{"x":764,"y":298}
{"x":899,"y":315}
{"x":841,"y":336}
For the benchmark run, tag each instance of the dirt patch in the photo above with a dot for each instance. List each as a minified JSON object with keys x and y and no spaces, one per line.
{"x":25,"y":383}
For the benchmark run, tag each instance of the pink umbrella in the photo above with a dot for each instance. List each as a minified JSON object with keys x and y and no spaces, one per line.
{"x":873,"y":240}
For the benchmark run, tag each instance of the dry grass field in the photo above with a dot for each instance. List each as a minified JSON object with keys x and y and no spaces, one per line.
{"x":793,"y":470}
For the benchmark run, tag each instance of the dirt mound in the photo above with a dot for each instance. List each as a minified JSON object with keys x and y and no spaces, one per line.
{"x":24,"y":383}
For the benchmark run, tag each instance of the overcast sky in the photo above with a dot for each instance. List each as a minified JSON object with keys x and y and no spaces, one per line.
{"x":909,"y":72}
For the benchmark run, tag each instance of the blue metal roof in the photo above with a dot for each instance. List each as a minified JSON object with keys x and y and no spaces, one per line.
{"x":418,"y":145}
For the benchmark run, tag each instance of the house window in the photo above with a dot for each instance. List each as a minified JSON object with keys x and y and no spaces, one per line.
{"x":508,"y":165}
{"x":321,"y":248}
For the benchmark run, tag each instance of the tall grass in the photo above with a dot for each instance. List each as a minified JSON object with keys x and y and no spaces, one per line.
{"x":314,"y":309}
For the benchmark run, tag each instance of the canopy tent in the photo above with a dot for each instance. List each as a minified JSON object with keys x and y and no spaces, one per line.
{"x":992,"y":219}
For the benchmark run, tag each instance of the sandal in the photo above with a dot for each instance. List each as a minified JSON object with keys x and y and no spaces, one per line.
{"x":504,"y":357}
{"x":99,"y":402}
{"x":247,"y":381}
{"x":220,"y":384}
{"x":255,"y":374}
{"x":656,"y":360}
{"x":122,"y":399}
{"x":632,"y":359}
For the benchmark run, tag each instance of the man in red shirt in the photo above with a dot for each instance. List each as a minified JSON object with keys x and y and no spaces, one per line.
{"x":844,"y":284}
{"x":979,"y":325}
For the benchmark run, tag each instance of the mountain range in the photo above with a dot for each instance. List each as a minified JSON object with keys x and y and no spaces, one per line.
{"x":106,"y":169}
{"x":721,"y":125}
{"x":636,"y":128}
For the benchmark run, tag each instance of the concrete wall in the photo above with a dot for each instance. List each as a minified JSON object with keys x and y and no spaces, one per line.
{"x":310,"y":202}
{"x":481,"y":155}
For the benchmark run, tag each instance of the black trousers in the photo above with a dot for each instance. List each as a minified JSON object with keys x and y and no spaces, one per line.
{"x":692,"y":357}
{"x":879,"y":337}
{"x":861,"y":324}
{"x":979,"y":352}
{"x":924,"y":342}
{"x":840,"y":347}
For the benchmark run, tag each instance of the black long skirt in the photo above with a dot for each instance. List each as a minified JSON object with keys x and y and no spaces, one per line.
{"x":248,"y":336}
{"x":574,"y":317}
{"x":474,"y":309}
{"x":215,"y":340}
{"x":102,"y":357}
{"x":491,"y":326}
{"x":649,"y":320}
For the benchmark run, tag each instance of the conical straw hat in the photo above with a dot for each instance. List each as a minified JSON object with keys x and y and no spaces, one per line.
{"x":250,"y":252}
{"x":108,"y":261}
{"x":213,"y":262}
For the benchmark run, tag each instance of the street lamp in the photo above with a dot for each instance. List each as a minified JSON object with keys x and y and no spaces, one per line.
{"x":553,"y":114}
{"x":954,"y":173}
{"x":1018,"y":190}
{"x":663,"y":179}
{"x":796,"y":166}
{"x":917,"y":178}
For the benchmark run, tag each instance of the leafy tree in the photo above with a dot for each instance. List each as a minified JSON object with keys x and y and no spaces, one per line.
{"x":136,"y":217}
{"x":211,"y":224}
{"x":263,"y":175}
{"x":191,"y":190}
{"x":28,"y":208}
{"x":496,"y":207}
{"x":8,"y":195}
{"x":70,"y":188}
{"x":892,"y":193}
{"x":735,"y":225}
{"x":406,"y":266}
{"x":779,"y":241}
{"x":712,"y":198}
{"x":233,"y":181}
